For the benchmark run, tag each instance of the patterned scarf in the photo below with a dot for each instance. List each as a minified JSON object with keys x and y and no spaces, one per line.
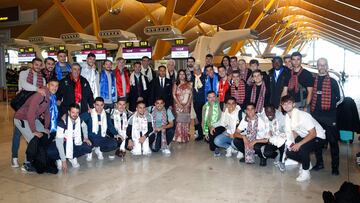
{"x":261,"y":99}
{"x":251,"y":135}
{"x":294,"y":80}
{"x":104,"y":86}
{"x":77,"y":89}
{"x":48,"y":74}
{"x":163,"y":122}
{"x":325,"y":95}
{"x":39,"y":81}
{"x":210,"y":117}
{"x":215,"y":81}
{"x":198,"y":84}
{"x":119,"y":81}
{"x":223,"y":88}
{"x":239,"y":94}
{"x":53,"y":113}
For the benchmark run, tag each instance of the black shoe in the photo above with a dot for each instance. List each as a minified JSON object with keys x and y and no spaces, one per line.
{"x":318,"y":166}
{"x":199,"y":138}
{"x":262,"y":162}
{"x":335,"y":172}
{"x":242,"y":160}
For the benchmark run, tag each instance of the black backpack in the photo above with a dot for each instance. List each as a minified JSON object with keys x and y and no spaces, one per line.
{"x":19,"y":100}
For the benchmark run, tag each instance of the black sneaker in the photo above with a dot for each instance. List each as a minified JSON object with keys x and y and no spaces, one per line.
{"x":318,"y":166}
{"x":242,"y":160}
{"x":335,"y":172}
{"x":27,"y":167}
{"x":262,"y":162}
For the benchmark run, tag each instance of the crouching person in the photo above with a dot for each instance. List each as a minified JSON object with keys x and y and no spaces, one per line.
{"x":163,"y":123}
{"x":228,"y":122}
{"x":251,"y":136}
{"x":69,"y":143}
{"x":138,"y":130}
{"x":98,"y":129}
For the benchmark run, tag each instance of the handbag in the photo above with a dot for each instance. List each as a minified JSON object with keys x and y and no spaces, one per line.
{"x":19,"y":100}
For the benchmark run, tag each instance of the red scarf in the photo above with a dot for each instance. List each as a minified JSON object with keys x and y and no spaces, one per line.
{"x":39,"y":81}
{"x":77,"y":89}
{"x":239,"y":94}
{"x":119,"y":86}
{"x":294,"y":80}
{"x":261,"y":99}
{"x":223,"y":88}
{"x":325,"y":95}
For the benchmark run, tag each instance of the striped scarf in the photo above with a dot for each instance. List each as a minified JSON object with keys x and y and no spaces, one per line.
{"x":294,"y":80}
{"x":163,"y":122}
{"x":239,"y":94}
{"x":261,"y":99}
{"x":223,"y":88}
{"x":325,"y":95}
{"x":30,"y":78}
{"x":251,"y":135}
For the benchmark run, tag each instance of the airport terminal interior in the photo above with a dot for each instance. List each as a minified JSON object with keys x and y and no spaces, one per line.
{"x":222,"y":101}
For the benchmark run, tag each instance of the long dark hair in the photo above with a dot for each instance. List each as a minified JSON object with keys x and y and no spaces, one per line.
{"x":222,"y":60}
{"x":178,"y":76}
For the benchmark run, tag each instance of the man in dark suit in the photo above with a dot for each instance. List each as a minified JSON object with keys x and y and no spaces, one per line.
{"x":139,"y":87}
{"x":279,"y":77}
{"x":161,"y":87}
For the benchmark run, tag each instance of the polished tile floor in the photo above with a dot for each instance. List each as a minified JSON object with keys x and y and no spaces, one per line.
{"x":190,"y":174}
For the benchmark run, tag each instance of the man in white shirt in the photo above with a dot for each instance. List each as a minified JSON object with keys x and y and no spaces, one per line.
{"x":250,"y":136}
{"x":229,"y":120}
{"x":89,"y":72}
{"x":304,"y":135}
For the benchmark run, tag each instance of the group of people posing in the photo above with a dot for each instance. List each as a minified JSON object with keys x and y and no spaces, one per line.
{"x":79,"y":109}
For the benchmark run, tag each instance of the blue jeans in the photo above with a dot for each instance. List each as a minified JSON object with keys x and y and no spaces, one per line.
{"x":223,"y":140}
{"x":15,"y":142}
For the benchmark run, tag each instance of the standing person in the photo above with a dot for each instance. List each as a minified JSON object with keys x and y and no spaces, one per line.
{"x":209,"y":62}
{"x":234,"y":64}
{"x":255,"y":65}
{"x":198,"y":100}
{"x":223,"y":86}
{"x":287,"y":61}
{"x":229,"y":120}
{"x":162,"y":87}
{"x":237,"y":89}
{"x":190,"y":64}
{"x":74,"y":89}
{"x":108,"y":85}
{"x":245,"y":73}
{"x":325,"y":96}
{"x":71,"y":140}
{"x":146,"y":69}
{"x":120,"y":118}
{"x":304,"y":135}
{"x":279,"y":77}
{"x":139,"y":87}
{"x":163,"y":123}
{"x":211,"y":81}
{"x":99,"y":124}
{"x":225,"y":62}
{"x":301,"y":83}
{"x":90,"y":73}
{"x":49,"y":72}
{"x":139,"y":128}
{"x":29,"y":80}
{"x":26,"y":119}
{"x":170,"y":70}
{"x":62,"y":68}
{"x":211,"y":113}
{"x":182,"y":95}
{"x":122,"y":78}
{"x":258,"y":93}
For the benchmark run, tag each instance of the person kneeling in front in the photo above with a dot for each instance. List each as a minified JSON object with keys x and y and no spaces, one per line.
{"x":69,"y":143}
{"x":304,"y":135}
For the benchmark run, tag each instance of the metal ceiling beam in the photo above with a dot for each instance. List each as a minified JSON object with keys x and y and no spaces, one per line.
{"x":95,"y":20}
{"x":69,"y":17}
{"x":151,"y":16}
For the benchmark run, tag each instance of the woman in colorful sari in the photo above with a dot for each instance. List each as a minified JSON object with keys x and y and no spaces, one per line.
{"x":182,"y":94}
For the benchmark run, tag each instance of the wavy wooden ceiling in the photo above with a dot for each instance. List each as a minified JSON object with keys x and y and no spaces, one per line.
{"x":337,"y":21}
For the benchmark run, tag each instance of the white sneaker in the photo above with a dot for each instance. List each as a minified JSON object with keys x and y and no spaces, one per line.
{"x":74,"y":163}
{"x":305,"y":175}
{"x":166,"y":151}
{"x":146,"y":152}
{"x":229,"y":152}
{"x":59,"y":164}
{"x":89,"y":157}
{"x":196,"y":135}
{"x":111,"y":157}
{"x":239,"y":155}
{"x":301,"y":168}
{"x":14,"y":163}
{"x":99,"y":153}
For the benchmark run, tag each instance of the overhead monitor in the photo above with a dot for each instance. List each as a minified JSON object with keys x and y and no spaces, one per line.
{"x":137,"y":52}
{"x":26,"y":57}
{"x":179,"y":52}
{"x":100,"y":54}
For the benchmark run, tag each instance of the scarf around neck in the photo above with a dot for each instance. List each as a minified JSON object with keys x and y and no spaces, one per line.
{"x":294,"y":80}
{"x":223,"y":88}
{"x":251,"y":132}
{"x":119,"y":82}
{"x":59,"y":72}
{"x":53,"y":113}
{"x":77,"y":89}
{"x":261,"y":99}
{"x":214,"y":85}
{"x":210,"y":117}
{"x":39,"y":78}
{"x":104,"y":86}
{"x":239,"y":94}
{"x":325,"y":94}
{"x":163,"y":122}
{"x":96,"y":123}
